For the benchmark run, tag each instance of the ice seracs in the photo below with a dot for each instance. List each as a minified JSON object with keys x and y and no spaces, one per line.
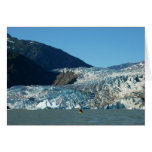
{"x":95,"y":88}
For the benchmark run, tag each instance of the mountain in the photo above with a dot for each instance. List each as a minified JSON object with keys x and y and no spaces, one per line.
{"x":116,"y":87}
{"x":22,"y":71}
{"x":46,"y":56}
{"x":135,"y":66}
{"x":127,"y":66}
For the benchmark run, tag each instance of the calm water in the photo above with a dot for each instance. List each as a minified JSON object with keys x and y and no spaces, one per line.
{"x":72,"y":117}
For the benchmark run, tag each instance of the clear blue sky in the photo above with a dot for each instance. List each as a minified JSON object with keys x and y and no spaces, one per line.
{"x":98,"y":46}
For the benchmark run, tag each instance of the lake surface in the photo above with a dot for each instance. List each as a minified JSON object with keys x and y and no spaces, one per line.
{"x":73,"y":117}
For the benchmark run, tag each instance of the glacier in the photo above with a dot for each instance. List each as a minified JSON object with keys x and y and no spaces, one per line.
{"x":95,"y":88}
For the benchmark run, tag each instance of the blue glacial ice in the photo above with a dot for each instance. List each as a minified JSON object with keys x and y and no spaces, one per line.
{"x":95,"y":88}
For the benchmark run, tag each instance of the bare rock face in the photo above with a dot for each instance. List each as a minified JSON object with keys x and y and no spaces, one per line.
{"x":65,"y":78}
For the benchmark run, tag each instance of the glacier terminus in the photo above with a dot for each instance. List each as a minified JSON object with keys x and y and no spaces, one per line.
{"x":95,"y":88}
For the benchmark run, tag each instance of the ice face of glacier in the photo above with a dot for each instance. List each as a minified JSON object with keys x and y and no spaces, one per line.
{"x":40,"y":97}
{"x":95,"y":88}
